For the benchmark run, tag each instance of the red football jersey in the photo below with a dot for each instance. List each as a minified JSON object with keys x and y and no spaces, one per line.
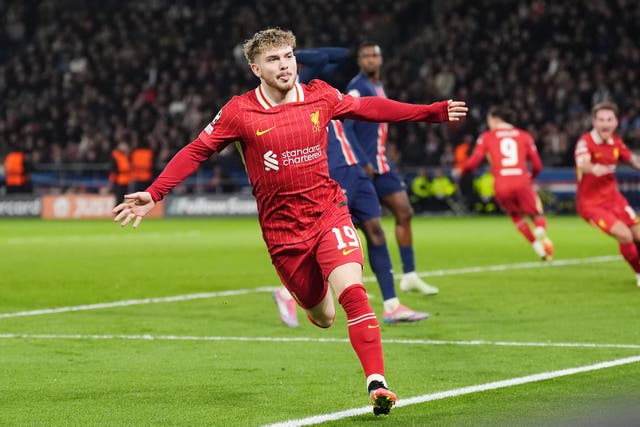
{"x":598,"y":189}
{"x":508,"y":150}
{"x":284,"y":150}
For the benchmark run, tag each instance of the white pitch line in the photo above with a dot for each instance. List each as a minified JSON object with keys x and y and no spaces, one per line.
{"x":175,"y":298}
{"x":204,"y":295}
{"x":75,"y":238}
{"x":149,"y":337}
{"x":518,"y":266}
{"x":317,"y":419}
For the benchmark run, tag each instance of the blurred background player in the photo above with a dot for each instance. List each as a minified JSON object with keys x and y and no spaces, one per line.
{"x":599,"y":201}
{"x":509,"y":149}
{"x":390,"y":187}
{"x":361,"y":198}
{"x":120,"y":170}
{"x":17,"y":171}
{"x":141,"y":166}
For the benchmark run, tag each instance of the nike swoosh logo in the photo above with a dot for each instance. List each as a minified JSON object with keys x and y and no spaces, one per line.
{"x":262,"y":132}
{"x":373,"y":326}
{"x":347,"y":252}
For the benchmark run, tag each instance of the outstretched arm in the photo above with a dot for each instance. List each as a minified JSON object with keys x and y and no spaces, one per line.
{"x":377,"y":109}
{"x":536,"y":163}
{"x":183,"y":164}
{"x":634,"y":161}
{"x":583,"y":162}
{"x":471,"y":164}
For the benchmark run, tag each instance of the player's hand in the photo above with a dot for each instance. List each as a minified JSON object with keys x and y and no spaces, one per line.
{"x":456,"y":110}
{"x":135,"y":206}
{"x":599,"y":170}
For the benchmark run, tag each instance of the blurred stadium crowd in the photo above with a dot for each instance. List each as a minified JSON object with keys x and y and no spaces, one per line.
{"x":76,"y":77}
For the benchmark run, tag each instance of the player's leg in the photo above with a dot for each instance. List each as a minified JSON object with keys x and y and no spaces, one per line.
{"x":364,"y":332}
{"x":627,"y":231}
{"x":286,"y":306}
{"x":510,"y":201}
{"x":300,"y":273}
{"x":523,"y":228}
{"x":324,"y":313}
{"x":626,"y":243}
{"x":392,"y":193}
{"x":380,"y":262}
{"x":342,"y":269}
{"x":540,"y":232}
{"x":532,"y":205}
{"x":366,"y":211}
{"x":618,"y":220}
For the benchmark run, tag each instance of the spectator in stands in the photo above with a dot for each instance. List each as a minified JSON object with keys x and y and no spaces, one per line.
{"x":483,"y":186}
{"x":61,"y":71}
{"x":17,"y":171}
{"x":442,"y":189}
{"x":120,"y":170}
{"x":141,"y":167}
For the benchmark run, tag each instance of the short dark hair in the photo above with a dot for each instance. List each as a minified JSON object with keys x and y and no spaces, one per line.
{"x":368,"y":43}
{"x":605,"y":105}
{"x":502,"y":112}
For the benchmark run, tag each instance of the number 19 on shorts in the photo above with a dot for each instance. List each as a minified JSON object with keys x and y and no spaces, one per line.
{"x":346,"y":237}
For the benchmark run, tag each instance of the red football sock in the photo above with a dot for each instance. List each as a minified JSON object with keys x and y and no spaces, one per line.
{"x":364,"y":330}
{"x":540,"y":221}
{"x":630,"y":252}
{"x":523,"y":227}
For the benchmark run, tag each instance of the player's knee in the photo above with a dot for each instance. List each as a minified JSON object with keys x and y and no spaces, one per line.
{"x":322,"y":319}
{"x":404,"y":215}
{"x":624,"y":237}
{"x":375,"y":234}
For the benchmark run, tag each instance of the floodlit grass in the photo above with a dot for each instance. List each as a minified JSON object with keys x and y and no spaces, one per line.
{"x":216,"y":360}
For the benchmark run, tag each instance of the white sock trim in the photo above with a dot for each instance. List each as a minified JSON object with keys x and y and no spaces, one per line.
{"x":376,"y":377}
{"x":538,"y":248}
{"x":391,"y":304}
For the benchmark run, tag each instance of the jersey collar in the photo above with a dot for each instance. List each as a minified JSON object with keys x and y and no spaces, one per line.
{"x":268,"y":103}
{"x":598,"y":139}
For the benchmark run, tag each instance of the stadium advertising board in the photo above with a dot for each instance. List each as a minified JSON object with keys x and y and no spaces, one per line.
{"x":20,"y":206}
{"x":211,"y":205}
{"x":84,"y":206}
{"x":72,"y":206}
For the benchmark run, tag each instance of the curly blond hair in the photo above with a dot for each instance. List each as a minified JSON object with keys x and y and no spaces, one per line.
{"x":267,"y":39}
{"x":605,"y":105}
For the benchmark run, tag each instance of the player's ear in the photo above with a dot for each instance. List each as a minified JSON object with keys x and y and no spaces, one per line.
{"x":256,"y":70}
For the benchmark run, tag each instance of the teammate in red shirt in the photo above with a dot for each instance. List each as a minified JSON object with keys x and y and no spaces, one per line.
{"x":509,"y":150}
{"x":598,"y":200}
{"x":281,"y":129}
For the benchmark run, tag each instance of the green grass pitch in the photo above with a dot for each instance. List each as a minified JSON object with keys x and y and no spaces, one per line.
{"x":225,"y":359}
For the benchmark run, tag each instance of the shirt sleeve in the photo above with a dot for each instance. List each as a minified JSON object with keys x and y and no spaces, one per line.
{"x":215,"y":137}
{"x":377,"y":109}
{"x":223,"y":129}
{"x":184,"y":163}
{"x":534,"y":157}
{"x":581,"y":149}
{"x":476,"y":157}
{"x":625,"y":152}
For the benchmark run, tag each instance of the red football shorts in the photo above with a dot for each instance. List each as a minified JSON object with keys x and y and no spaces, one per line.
{"x":604,"y":216}
{"x":304,"y":267}
{"x":519,"y":200}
